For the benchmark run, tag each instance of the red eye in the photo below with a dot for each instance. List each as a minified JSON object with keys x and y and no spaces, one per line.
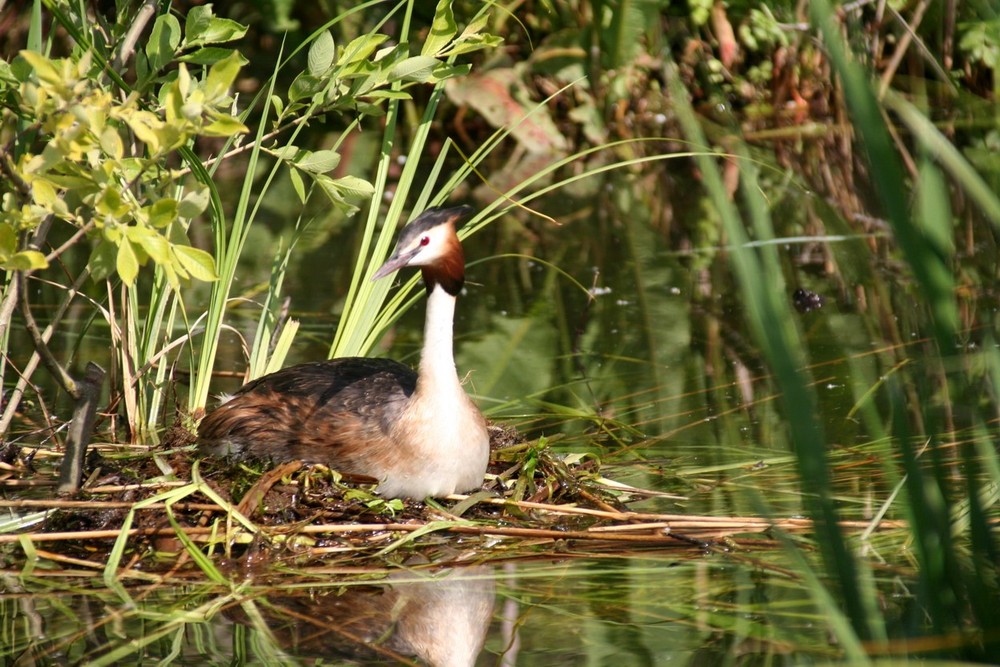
{"x":424,"y":240}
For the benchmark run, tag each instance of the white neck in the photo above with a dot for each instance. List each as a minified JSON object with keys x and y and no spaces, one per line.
{"x":437,"y":359}
{"x":442,"y":434}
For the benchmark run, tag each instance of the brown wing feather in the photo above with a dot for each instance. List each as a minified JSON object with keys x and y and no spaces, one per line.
{"x":335,"y":412}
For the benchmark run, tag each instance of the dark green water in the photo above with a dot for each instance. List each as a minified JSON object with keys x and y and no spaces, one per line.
{"x":650,"y":609}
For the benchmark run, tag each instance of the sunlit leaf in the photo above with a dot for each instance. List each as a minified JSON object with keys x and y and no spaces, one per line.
{"x":355,"y":186}
{"x":111,"y":143}
{"x":8,"y":240}
{"x":297,"y":184}
{"x":278,"y":105}
{"x":152,"y":244}
{"x":388,"y":95}
{"x":43,"y":193}
{"x":475,"y":28}
{"x":198,"y":19}
{"x":26,"y":260}
{"x":43,"y":68}
{"x":304,"y":85}
{"x":203,"y":27}
{"x":417,"y":68}
{"x":362,"y":47}
{"x":474,"y":43}
{"x":444,"y":71}
{"x":196,"y":262}
{"x":142,"y":123}
{"x":102,"y":260}
{"x":193,"y":203}
{"x":321,"y":53}
{"x":110,"y":203}
{"x":127,"y":263}
{"x":336,"y":193}
{"x":162,"y":212}
{"x":442,"y":30}
{"x":209,"y":55}
{"x":319,"y":162}
{"x":163,"y":41}
{"x":224,"y":126}
{"x":220,"y":77}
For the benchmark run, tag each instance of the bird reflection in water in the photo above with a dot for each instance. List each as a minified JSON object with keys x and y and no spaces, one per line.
{"x":438,"y":618}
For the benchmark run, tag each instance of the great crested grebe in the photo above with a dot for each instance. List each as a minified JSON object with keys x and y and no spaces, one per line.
{"x":418,"y":434}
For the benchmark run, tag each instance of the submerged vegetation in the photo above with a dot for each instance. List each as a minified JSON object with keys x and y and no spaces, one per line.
{"x":170,"y":169}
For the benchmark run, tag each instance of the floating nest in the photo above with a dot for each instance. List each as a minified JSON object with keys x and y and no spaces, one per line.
{"x":162,"y":509}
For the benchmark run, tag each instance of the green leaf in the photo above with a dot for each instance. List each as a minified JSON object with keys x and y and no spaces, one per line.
{"x":278,"y":105}
{"x":220,"y":77}
{"x":111,"y":143}
{"x":445,"y":71}
{"x":43,"y":193}
{"x":162,"y":212}
{"x":224,"y":30}
{"x":474,"y":43}
{"x":442,"y":30}
{"x":332,"y":191}
{"x":197,"y":22}
{"x":203,"y":27}
{"x":224,"y":125}
{"x":8,"y":240}
{"x":362,"y":47}
{"x":388,"y":95}
{"x":287,"y":152}
{"x":142,"y":123}
{"x":321,"y":53}
{"x":475,"y":28}
{"x":127,"y":263}
{"x":173,"y":97}
{"x":110,"y":203}
{"x":102,"y":260}
{"x":298,"y":184}
{"x":209,"y":55}
{"x":43,"y":68}
{"x":198,"y":263}
{"x":26,"y":260}
{"x":304,"y":85}
{"x":152,"y":244}
{"x":141,"y":69}
{"x":319,"y":162}
{"x":354,"y":186}
{"x":193,"y":203}
{"x":7,"y":74}
{"x":417,"y":68}
{"x":337,"y":191}
{"x":163,"y":41}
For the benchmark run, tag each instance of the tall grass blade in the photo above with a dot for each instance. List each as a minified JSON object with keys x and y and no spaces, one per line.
{"x":357,"y":331}
{"x":828,"y":605}
{"x":759,"y":275}
{"x":953,"y":591}
{"x":228,"y":249}
{"x":925,"y":259}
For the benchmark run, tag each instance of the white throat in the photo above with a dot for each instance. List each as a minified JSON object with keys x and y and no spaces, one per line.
{"x":437,"y":359}
{"x":444,"y":432}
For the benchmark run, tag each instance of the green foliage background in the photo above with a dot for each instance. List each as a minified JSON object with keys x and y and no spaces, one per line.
{"x":118,"y":127}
